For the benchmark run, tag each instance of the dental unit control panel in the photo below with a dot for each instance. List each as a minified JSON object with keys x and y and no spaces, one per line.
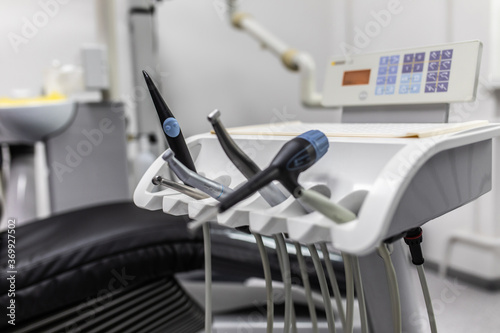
{"x":411,"y":76}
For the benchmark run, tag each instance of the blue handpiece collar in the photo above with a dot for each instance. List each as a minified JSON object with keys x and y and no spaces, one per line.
{"x":318,"y":140}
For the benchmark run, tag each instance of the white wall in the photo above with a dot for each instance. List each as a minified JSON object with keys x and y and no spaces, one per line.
{"x":57,"y":36}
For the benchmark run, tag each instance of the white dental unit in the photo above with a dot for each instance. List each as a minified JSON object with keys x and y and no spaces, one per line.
{"x":403,"y":164}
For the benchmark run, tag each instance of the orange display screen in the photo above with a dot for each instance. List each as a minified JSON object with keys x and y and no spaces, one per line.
{"x":352,"y":78}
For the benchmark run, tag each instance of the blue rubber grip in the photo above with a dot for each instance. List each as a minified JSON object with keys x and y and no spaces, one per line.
{"x":171,"y":127}
{"x":318,"y":140}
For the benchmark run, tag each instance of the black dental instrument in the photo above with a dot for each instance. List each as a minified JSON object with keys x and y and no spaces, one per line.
{"x":170,"y":126}
{"x":271,"y":193}
{"x":296,"y":156}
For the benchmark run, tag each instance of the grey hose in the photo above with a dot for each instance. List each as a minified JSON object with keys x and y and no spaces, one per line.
{"x":358,"y":284}
{"x":393,"y":286}
{"x":287,"y":279}
{"x":333,"y":283}
{"x":307,"y":287}
{"x":349,"y":287}
{"x":208,"y":277}
{"x":269,"y":282}
{"x":323,"y":286}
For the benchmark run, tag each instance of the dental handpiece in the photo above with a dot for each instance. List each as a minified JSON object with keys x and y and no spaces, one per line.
{"x":181,"y":188}
{"x":191,"y":178}
{"x":170,"y":126}
{"x":296,"y":156}
{"x":271,"y":193}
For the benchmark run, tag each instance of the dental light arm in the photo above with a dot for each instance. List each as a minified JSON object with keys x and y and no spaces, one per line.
{"x":189,"y":177}
{"x":291,"y":58}
{"x":170,"y":126}
{"x":271,"y":193}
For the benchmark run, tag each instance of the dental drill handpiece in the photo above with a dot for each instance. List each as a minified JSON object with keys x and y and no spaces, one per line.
{"x":189,"y":177}
{"x":170,"y":126}
{"x":296,"y":156}
{"x":271,"y":193}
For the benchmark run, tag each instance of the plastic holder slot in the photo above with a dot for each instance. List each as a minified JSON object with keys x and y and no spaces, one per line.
{"x":146,"y":194}
{"x":273,"y":220}
{"x":197,"y":208}
{"x":315,"y":227}
{"x":310,"y":228}
{"x":240,"y":215}
{"x":176,"y":204}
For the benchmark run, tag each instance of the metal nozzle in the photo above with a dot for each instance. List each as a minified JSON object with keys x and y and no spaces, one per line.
{"x":214,"y":116}
{"x":181,"y":188}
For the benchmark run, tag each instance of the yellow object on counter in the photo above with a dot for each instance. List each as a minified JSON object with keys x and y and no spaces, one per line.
{"x":53,"y":97}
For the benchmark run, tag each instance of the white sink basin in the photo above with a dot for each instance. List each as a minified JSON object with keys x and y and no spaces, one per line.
{"x":31,"y":123}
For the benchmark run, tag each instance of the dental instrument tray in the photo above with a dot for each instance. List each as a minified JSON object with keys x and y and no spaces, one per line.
{"x":392,"y":182}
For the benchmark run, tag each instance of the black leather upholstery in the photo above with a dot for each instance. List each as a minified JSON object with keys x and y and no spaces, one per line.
{"x":70,"y":257}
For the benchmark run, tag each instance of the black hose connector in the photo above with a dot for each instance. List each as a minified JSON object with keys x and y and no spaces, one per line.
{"x":413,"y":238}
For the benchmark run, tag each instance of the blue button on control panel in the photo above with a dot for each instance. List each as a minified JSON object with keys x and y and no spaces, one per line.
{"x":384,"y":61}
{"x":442,"y":87}
{"x":419,"y":57}
{"x":379,"y":90}
{"x":416,"y":78}
{"x":434,"y":55}
{"x":408,"y":58}
{"x":381,"y":80}
{"x":415,"y":88}
{"x":447,"y":54}
{"x":405,"y":78}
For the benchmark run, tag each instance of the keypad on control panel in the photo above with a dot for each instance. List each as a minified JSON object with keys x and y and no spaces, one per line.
{"x":438,"y":71}
{"x":417,"y":73}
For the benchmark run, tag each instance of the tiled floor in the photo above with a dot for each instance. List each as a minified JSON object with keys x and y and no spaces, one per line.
{"x":462,"y":308}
